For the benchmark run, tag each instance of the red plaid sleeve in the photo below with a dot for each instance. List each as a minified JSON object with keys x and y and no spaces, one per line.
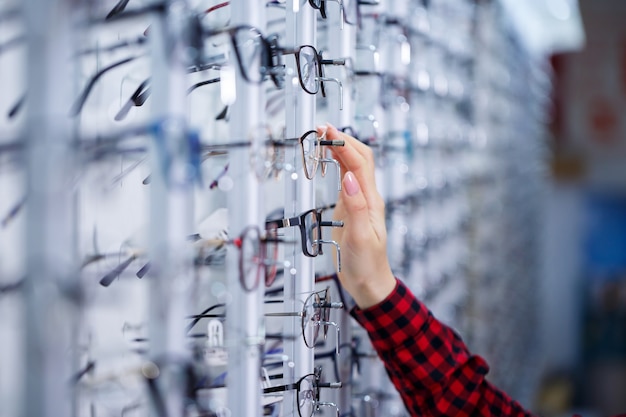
{"x":428,"y":362}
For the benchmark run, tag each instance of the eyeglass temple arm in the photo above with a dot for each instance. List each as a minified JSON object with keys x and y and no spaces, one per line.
{"x":336,"y":163}
{"x":334,"y":223}
{"x":141,"y":94}
{"x":281,"y":223}
{"x":82,"y":98}
{"x":341,"y":12}
{"x":280,"y":388}
{"x":334,"y":385}
{"x":337,"y":142}
{"x":107,"y":279}
{"x":285,"y":314}
{"x":335,"y":80}
{"x":117,"y":9}
{"x":138,"y":98}
{"x":332,"y":242}
{"x":336,"y":326}
{"x":327,"y":404}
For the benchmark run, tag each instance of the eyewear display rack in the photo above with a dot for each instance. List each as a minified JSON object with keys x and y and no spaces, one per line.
{"x":165,"y":246}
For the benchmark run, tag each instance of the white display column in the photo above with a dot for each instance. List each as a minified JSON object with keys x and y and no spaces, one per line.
{"x":244,"y":327}
{"x":299,"y":196}
{"x":50,"y":289}
{"x":171,"y":213}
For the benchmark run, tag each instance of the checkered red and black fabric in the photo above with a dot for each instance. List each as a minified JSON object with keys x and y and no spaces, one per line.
{"x":428,"y":362}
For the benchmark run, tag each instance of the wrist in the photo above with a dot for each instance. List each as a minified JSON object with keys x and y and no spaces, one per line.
{"x":374,"y":289}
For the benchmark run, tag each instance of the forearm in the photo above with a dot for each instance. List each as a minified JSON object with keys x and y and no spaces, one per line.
{"x":428,"y":362}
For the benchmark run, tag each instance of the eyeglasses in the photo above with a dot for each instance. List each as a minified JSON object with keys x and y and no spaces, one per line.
{"x":82,"y":98}
{"x":355,"y":360}
{"x":252,"y":51}
{"x":271,"y":161}
{"x":141,"y":94}
{"x":312,"y":154}
{"x":132,"y":255}
{"x":308,"y":392}
{"x":310,"y":66}
{"x":137,"y":99}
{"x":258,"y":58}
{"x":312,"y":149}
{"x":348,"y":9}
{"x":195,"y":319}
{"x":257,"y":256}
{"x":310,"y":223}
{"x":315,"y":314}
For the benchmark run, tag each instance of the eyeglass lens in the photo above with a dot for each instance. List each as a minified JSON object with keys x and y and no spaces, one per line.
{"x":311,"y":315}
{"x":310,"y":153}
{"x":306,"y":396}
{"x":308,"y":69}
{"x":249,"y":46}
{"x":312,"y":233}
{"x":251,"y":259}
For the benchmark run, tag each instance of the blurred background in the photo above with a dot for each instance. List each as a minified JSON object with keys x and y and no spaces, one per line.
{"x":583,"y":290}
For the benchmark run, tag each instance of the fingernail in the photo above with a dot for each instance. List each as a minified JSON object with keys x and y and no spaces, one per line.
{"x":350,"y":184}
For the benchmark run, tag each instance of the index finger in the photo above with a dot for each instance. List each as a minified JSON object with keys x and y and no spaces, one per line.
{"x":354,"y":156}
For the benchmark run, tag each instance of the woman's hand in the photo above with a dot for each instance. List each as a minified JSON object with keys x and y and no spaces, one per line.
{"x":365,"y":271}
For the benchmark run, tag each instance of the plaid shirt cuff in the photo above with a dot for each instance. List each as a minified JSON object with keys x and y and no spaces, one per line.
{"x":393,"y":320}
{"x":428,"y":362}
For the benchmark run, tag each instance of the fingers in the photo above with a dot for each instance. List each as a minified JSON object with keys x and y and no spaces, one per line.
{"x":354,"y":202}
{"x":354,"y":154}
{"x":354,"y":157}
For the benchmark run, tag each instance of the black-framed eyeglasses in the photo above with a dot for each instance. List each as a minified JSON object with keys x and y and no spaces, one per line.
{"x":354,"y":362}
{"x":82,"y":97}
{"x":142,"y":92}
{"x":308,"y":392}
{"x":309,"y":64}
{"x":310,"y":223}
{"x":253,"y":53}
{"x":348,"y":9}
